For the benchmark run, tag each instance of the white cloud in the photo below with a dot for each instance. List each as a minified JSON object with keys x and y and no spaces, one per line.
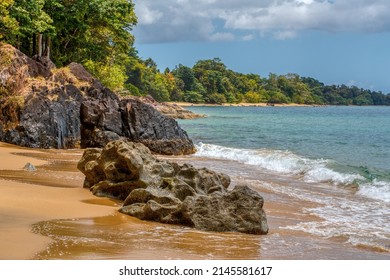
{"x":146,"y":15}
{"x":285,"y":34}
{"x":222,"y":36}
{"x":185,"y":20}
{"x":248,"y":37}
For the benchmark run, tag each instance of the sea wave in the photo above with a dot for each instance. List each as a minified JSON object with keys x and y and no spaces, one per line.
{"x":286,"y":162}
{"x":376,"y":189}
{"x":310,"y":170}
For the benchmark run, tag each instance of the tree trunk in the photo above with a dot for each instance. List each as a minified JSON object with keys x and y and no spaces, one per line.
{"x":40,"y":44}
{"x":34,"y":45}
{"x":48,"y":45}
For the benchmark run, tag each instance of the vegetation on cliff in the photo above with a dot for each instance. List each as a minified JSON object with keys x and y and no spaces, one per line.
{"x":96,"y":33}
{"x":45,"y":107}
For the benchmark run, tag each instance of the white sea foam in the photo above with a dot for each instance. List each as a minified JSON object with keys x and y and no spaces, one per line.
{"x":321,"y":173}
{"x":360,"y":221}
{"x":286,"y":162}
{"x":376,"y":189}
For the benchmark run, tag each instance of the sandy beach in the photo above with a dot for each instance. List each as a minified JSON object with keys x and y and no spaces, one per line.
{"x":24,"y":203}
{"x":46,"y":214}
{"x":189,"y":104}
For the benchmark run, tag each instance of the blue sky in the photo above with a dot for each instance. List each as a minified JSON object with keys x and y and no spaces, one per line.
{"x":339,"y":41}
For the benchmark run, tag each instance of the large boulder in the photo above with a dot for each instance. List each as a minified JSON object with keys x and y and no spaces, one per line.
{"x":162,"y":191}
{"x":238,"y":210}
{"x":44,"y":107}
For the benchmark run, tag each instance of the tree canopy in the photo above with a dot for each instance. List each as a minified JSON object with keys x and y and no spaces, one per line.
{"x":211,"y":81}
{"x":97,"y":33}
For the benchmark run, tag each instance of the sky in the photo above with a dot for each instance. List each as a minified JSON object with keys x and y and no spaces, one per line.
{"x":334,"y":41}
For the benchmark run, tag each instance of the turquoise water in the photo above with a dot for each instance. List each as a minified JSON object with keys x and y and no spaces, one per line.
{"x":342,"y":149}
{"x":356,"y":136}
{"x":347,"y":140}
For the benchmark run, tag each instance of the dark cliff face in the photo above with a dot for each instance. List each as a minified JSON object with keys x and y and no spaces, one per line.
{"x":68,"y":108}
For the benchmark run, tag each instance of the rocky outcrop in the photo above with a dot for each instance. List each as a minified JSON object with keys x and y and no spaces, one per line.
{"x":170,"y":109}
{"x":43,"y":107}
{"x":162,"y":191}
{"x":16,"y":70}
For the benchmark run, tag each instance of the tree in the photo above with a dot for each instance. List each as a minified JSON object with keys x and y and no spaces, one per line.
{"x":158,"y":89}
{"x":252,"y":97}
{"x":97,"y":30}
{"x":276,"y":96}
{"x":217,"y":98}
{"x":193,"y":97}
{"x":185,"y":74}
{"x":95,"y":33}
{"x":8,"y":24}
{"x":30,"y":25}
{"x":112,"y":76}
{"x":214,"y":64}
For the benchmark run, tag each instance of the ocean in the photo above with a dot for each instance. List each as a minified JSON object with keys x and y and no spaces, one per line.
{"x":334,"y":159}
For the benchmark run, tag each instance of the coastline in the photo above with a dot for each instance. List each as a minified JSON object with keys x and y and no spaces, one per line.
{"x":50,"y":216}
{"x":189,"y":104}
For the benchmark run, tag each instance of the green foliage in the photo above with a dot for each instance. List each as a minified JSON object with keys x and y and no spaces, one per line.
{"x":28,"y":18}
{"x":91,"y":29}
{"x":217,"y":98}
{"x":193,"y":97}
{"x":252,"y":97}
{"x":97,"y":34}
{"x":212,"y":82}
{"x":8,"y":24}
{"x":132,"y":90}
{"x":185,"y":74}
{"x":158,"y":88}
{"x":363,"y":99}
{"x":277,"y":96}
{"x":93,"y":32}
{"x":111,"y":75}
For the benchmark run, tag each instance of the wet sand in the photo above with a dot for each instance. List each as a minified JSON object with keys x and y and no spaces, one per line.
{"x":24,"y":202}
{"x":48,"y":215}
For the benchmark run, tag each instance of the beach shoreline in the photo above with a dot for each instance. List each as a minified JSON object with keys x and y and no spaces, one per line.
{"x":189,"y":104}
{"x":55,"y":218}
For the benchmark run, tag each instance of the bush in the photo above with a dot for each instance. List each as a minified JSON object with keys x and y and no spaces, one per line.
{"x":112,"y":76}
{"x":132,"y":90}
{"x":193,"y":97}
{"x":252,"y":97}
{"x":217,"y":98}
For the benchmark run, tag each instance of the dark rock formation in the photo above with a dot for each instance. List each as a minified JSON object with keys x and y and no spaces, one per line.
{"x":42,"y":107}
{"x":166,"y":192}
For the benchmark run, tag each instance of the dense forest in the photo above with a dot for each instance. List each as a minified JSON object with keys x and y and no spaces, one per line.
{"x":97,"y":33}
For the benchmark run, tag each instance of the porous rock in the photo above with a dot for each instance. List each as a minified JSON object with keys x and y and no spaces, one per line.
{"x":163,"y":191}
